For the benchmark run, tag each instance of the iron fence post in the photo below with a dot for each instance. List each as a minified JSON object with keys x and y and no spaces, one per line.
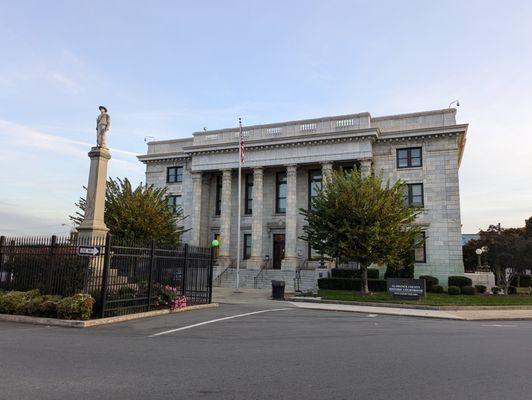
{"x":150,"y":273}
{"x":209,"y":283}
{"x":185,"y":262}
{"x":105,"y":275}
{"x":2,"y":273}
{"x":49,"y":272}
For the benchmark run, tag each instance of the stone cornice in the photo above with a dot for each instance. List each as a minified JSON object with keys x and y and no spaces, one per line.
{"x":162,"y":157}
{"x":292,"y":141}
{"x":413,"y":134}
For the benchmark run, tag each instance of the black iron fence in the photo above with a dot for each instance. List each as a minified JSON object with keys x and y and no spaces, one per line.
{"x":123,"y":276}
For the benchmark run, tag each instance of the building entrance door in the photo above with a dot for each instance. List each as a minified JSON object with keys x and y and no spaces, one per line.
{"x":278,"y":250}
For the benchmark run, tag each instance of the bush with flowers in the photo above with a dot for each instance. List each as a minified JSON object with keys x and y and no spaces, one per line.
{"x":169,"y":297}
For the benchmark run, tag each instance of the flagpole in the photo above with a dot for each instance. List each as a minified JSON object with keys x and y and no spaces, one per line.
{"x":239,"y":204}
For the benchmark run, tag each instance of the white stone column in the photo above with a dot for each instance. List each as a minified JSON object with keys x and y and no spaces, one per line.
{"x":326,"y":171}
{"x":197,"y":188}
{"x":257,"y":219}
{"x":365,"y":168}
{"x":290,"y":256}
{"x":93,"y":225}
{"x":224,"y":258}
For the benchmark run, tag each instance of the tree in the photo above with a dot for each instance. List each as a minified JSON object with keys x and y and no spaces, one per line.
{"x":362,"y":219}
{"x":509,"y":251}
{"x":138,"y":214}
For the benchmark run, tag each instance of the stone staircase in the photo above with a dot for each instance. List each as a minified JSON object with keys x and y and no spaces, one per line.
{"x":255,"y":279}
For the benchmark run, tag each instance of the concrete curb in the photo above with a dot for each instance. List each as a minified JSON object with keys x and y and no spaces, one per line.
{"x":102,"y":321}
{"x":406,"y":306}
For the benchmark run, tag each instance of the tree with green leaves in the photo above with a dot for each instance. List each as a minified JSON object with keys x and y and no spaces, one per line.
{"x":140,"y":213}
{"x":508,"y":251}
{"x":362,"y":219}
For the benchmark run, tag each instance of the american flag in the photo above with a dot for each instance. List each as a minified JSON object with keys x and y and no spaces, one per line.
{"x":242,"y":146}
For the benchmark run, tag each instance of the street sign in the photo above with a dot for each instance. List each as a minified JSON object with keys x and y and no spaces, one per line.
{"x":406,"y":289}
{"x":90,"y":251}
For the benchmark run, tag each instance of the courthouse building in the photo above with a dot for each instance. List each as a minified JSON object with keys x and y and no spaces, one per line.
{"x":284,"y":165}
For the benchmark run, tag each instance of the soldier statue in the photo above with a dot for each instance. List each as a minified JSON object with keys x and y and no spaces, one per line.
{"x":103,"y":122}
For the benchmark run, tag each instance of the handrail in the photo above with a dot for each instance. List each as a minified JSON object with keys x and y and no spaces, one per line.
{"x":263,"y":266}
{"x":219,"y":277}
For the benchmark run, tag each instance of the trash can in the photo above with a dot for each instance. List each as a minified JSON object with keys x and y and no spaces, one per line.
{"x":278,"y":290}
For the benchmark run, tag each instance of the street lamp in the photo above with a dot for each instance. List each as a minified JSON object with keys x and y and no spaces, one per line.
{"x":479,"y":254}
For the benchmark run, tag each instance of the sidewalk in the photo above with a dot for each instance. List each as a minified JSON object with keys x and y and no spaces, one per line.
{"x":464,"y":315}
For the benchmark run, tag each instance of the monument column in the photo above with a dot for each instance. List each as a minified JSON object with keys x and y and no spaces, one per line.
{"x":92,"y":229}
{"x":290,"y":256}
{"x":224,"y":258}
{"x":257,"y":219}
{"x":93,"y":225}
{"x":197,"y":186}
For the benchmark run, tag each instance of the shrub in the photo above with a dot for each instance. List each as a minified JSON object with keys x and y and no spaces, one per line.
{"x":15,"y":302}
{"x":495,"y":289}
{"x":459,"y":281}
{"x":522,"y":281}
{"x":373,"y":273}
{"x":512,"y":290}
{"x":430,"y":281}
{"x":48,"y":307}
{"x":481,"y":288}
{"x":437,"y":289}
{"x":453,"y":290}
{"x":375,"y":285}
{"x":78,"y":306}
{"x":468,"y":290}
{"x":405,"y":272}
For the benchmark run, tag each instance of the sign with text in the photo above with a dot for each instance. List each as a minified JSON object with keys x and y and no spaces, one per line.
{"x":406,"y":289}
{"x":90,"y":251}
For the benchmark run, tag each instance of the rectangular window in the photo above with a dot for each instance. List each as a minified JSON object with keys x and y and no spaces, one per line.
{"x":420,"y":251}
{"x":280,"y":193}
{"x":313,"y":254}
{"x":247,"y":246}
{"x":414,"y":194}
{"x":174,"y":203}
{"x":314,"y":186}
{"x":409,"y":158}
{"x":218,"y":194}
{"x":174,"y":174}
{"x":248,"y":202}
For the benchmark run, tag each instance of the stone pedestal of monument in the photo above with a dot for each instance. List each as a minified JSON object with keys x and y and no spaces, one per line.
{"x":93,"y":227}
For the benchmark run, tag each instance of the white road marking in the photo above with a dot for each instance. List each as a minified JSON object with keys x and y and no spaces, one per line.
{"x":217,"y":320}
{"x":372,"y":315}
{"x":502,"y":326}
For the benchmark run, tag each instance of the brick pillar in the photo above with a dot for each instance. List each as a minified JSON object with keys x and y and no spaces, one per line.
{"x":224,"y":258}
{"x":290,"y":256}
{"x":365,"y":167}
{"x":197,"y":186}
{"x":257,"y":219}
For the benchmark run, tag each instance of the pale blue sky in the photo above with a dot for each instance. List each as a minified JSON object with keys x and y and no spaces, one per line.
{"x":168,"y":68}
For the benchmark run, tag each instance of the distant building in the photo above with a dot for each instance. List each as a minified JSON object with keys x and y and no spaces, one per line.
{"x":466,"y":237}
{"x":284,"y":165}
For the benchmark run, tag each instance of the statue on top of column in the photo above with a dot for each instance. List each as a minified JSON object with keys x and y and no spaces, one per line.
{"x":103,"y":122}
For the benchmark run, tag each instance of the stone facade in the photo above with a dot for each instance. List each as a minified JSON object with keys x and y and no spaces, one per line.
{"x":294,"y":149}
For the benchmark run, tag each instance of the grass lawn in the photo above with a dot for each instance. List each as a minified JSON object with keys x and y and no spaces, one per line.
{"x":431,"y":299}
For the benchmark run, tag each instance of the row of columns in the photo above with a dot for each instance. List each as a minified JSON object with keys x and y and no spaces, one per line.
{"x":290,"y":258}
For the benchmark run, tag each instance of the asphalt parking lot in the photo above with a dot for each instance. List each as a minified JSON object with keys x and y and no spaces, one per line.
{"x":284,"y":354}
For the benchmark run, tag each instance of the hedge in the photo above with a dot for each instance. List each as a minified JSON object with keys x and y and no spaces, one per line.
{"x":437,"y":289}
{"x":481,"y":288}
{"x":459,"y":281}
{"x":522,"y":280}
{"x":31,"y":303}
{"x":512,"y":290}
{"x":453,"y":290}
{"x":430,"y":281}
{"x":353,"y":273}
{"x":374,"y":285}
{"x":468,"y":290}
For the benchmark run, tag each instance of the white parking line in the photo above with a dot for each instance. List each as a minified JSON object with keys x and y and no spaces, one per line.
{"x":217,"y":320}
{"x":502,"y":326}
